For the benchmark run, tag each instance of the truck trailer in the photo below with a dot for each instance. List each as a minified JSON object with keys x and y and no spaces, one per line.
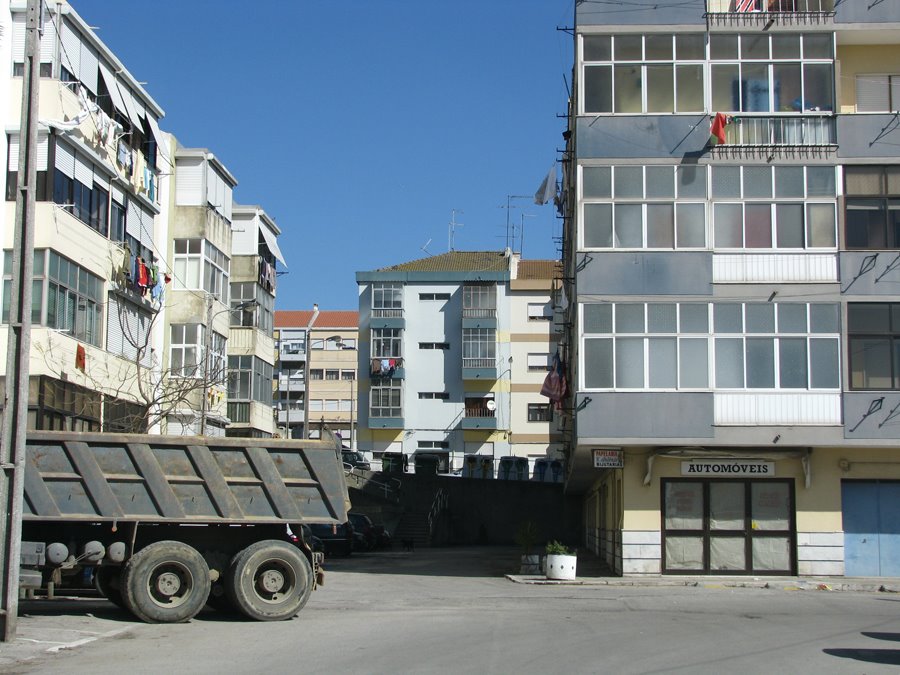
{"x":163,"y":525}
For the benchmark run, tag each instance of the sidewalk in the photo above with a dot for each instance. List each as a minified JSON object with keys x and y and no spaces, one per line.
{"x":596,"y":573}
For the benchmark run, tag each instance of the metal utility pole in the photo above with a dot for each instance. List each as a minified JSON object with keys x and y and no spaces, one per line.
{"x":207,"y":348}
{"x":451,"y":230}
{"x":312,"y":320}
{"x":15,"y":407}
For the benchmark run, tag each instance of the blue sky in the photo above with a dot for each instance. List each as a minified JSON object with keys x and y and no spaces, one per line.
{"x":360,"y":125}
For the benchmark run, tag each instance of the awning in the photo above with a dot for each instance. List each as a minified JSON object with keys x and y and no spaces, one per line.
{"x":272,"y":244}
{"x":160,"y":144}
{"x":113,"y":89}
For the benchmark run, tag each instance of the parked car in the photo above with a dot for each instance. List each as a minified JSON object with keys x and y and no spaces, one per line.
{"x":337,"y":539}
{"x":356,"y":459}
{"x":376,"y":535}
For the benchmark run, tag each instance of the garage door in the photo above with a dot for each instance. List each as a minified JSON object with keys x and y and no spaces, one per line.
{"x":871,"y":512}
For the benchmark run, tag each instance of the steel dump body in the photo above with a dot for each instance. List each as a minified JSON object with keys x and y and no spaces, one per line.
{"x":82,"y":477}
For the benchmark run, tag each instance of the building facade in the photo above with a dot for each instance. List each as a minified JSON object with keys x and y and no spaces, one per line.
{"x":735,"y":388}
{"x":316,"y":373}
{"x":445,"y":348}
{"x":99,"y":221}
{"x":144,"y":269}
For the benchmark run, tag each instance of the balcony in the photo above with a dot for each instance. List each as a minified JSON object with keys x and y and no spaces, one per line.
{"x":479,"y":418}
{"x":387,"y":318}
{"x":739,"y":13}
{"x":479,"y":317}
{"x":291,"y":414}
{"x":287,"y":383}
{"x":388,"y":368}
{"x":292,"y":355}
{"x":479,"y":369}
{"x":787,"y":132}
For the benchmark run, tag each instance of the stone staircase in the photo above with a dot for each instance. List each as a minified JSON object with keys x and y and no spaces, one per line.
{"x":412,"y":526}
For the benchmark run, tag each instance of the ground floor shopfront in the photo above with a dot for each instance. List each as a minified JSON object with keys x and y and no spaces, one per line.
{"x":796,"y":511}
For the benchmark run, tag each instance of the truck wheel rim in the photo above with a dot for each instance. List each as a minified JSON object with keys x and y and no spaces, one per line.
{"x":170,"y":584}
{"x":274,"y":580}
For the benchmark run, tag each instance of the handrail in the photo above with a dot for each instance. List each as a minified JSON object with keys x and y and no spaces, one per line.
{"x":388,"y":490}
{"x":438,"y":504}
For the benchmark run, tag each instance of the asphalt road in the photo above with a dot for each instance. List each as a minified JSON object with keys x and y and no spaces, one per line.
{"x":453,"y":611}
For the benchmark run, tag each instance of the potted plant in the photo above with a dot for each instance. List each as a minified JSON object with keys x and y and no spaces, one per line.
{"x":526,"y":537}
{"x":560,"y":562}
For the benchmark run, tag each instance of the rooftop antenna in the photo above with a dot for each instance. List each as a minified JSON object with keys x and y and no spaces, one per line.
{"x":510,"y":235}
{"x":450,"y":230}
{"x":425,"y":247}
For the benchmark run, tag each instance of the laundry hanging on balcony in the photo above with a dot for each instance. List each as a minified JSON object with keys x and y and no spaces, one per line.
{"x":717,"y":129}
{"x":555,"y":386}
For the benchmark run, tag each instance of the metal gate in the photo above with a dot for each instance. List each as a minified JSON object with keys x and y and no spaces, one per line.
{"x":871,"y":510}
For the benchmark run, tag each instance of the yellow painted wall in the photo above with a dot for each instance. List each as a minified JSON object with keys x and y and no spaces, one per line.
{"x":861,"y":59}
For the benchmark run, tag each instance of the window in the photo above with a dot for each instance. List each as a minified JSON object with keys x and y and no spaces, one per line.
{"x":80,"y":189}
{"x":259,"y":316}
{"x":680,"y":346}
{"x":434,"y":345}
{"x":540,"y":412}
{"x":877,"y":93}
{"x":540,"y":312}
{"x":316,"y":374}
{"x":655,"y":207}
{"x":386,"y":343}
{"x":756,"y":73}
{"x":385,"y":398}
{"x":387,"y":299}
{"x":479,"y":300}
{"x":128,"y":330}
{"x":873,"y":332}
{"x":250,"y":379}
{"x":348,"y":374}
{"x":185,"y":350}
{"x":432,"y":445}
{"x":781,"y":207}
{"x":649,"y":74}
{"x":434,"y":396}
{"x":74,"y":300}
{"x":201,"y":266}
{"x":872,"y":207}
{"x":332,"y":374}
{"x":434,"y":296}
{"x":538,"y":362}
{"x":479,"y":347}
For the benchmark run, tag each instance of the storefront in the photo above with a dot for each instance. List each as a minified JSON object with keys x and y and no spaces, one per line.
{"x":728,"y":525}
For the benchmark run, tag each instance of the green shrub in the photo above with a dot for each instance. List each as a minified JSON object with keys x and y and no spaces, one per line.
{"x":555,"y":548}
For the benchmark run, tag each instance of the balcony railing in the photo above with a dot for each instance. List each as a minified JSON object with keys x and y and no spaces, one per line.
{"x":479,"y":412}
{"x":387,"y":313}
{"x":469,"y":362}
{"x":749,"y":7}
{"x":805,"y":130}
{"x":478,"y":313}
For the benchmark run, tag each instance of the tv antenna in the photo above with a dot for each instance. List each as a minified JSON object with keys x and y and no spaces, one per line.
{"x":425,"y":247}
{"x":451,"y":227}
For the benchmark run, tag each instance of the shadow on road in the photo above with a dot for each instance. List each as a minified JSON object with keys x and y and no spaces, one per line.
{"x":890,"y":657}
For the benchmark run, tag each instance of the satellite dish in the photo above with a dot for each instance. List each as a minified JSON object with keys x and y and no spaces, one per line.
{"x":491,"y":405}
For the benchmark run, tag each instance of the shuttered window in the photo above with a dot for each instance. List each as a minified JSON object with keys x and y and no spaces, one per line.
{"x":877,"y":93}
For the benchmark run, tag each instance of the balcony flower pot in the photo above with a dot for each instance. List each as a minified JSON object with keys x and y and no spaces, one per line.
{"x":560,"y":562}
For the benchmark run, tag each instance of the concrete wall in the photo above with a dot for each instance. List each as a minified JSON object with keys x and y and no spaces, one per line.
{"x":491,"y":511}
{"x":865,"y":11}
{"x":647,"y":415}
{"x":660,"y":14}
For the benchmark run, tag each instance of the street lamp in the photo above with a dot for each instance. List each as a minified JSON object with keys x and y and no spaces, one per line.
{"x":207,"y":348}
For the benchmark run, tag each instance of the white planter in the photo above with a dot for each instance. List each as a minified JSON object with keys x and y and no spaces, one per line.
{"x":531,"y":565}
{"x":561,"y":567}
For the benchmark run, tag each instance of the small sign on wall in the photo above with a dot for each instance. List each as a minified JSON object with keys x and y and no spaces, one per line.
{"x":608,"y":458}
{"x":728,"y":468}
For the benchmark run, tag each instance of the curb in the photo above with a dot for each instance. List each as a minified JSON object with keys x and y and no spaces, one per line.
{"x":840,"y":585}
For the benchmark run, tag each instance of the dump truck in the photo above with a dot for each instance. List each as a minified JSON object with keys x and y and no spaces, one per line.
{"x":164,"y":525}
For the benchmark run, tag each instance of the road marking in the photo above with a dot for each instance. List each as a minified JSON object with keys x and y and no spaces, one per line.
{"x":84,"y":641}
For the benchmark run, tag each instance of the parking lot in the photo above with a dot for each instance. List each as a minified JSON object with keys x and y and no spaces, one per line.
{"x":454,"y":610}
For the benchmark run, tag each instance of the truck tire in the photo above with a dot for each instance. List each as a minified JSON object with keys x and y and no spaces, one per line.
{"x":107,"y":580}
{"x":165,"y":582}
{"x":269,"y":581}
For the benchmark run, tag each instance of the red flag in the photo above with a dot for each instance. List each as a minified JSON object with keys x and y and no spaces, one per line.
{"x":80,"y":358}
{"x":744,"y":5}
{"x":717,"y":130}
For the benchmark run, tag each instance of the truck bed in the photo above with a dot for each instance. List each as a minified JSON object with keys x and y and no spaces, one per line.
{"x":186,"y":479}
